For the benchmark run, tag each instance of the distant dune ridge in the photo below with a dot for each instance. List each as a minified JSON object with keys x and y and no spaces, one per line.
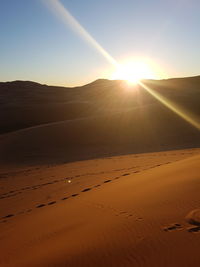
{"x":25,"y":103}
{"x":102,"y":118}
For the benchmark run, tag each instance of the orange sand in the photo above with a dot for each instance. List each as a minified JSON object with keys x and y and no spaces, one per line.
{"x":133,"y":210}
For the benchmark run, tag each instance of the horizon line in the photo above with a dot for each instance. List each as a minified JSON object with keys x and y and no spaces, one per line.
{"x":55,"y":85}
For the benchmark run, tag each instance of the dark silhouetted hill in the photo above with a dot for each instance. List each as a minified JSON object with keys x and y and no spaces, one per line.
{"x":101,"y":118}
{"x":24,"y":103}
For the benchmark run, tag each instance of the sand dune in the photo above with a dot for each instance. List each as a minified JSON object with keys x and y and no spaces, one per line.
{"x":104,"y":118}
{"x":25,"y":103}
{"x":134,"y":210}
{"x":116,"y":133}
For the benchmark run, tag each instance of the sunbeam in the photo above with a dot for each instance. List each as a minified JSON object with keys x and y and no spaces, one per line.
{"x":65,"y":16}
{"x":183,"y":114}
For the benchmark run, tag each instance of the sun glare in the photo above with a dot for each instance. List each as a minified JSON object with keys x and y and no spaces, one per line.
{"x":133,"y":72}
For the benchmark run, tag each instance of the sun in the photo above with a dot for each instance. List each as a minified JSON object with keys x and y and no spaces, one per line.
{"x":133,"y":72}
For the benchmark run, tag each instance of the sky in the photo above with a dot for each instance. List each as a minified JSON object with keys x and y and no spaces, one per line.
{"x":37,"y":44}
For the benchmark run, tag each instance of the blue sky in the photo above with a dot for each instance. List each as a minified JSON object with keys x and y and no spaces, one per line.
{"x":36,"y":45}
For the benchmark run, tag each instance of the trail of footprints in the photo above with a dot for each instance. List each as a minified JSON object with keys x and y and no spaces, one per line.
{"x":4,"y":218}
{"x":192,"y":218}
{"x":178,"y":226}
{"x":13,"y":193}
{"x":175,"y":226}
{"x":16,"y":192}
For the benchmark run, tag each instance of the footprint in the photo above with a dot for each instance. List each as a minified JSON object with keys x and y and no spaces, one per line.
{"x":86,"y":189}
{"x":29,"y":210}
{"x":123,"y":212}
{"x":74,"y":195}
{"x":34,"y":188}
{"x":64,"y":198}
{"x":8,"y":216}
{"x":97,"y":185}
{"x":125,"y":174}
{"x":194,"y":229}
{"x":193,"y":218}
{"x":41,"y":206}
{"x":172,"y":227}
{"x":107,"y":181}
{"x":51,"y":203}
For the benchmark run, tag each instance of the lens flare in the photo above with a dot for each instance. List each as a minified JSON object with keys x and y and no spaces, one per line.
{"x":183,"y":114}
{"x":65,"y":16}
{"x":133,"y":72}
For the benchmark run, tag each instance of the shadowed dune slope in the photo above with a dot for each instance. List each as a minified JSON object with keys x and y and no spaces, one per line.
{"x":151,"y":128}
{"x":99,"y":119}
{"x":24,"y":104}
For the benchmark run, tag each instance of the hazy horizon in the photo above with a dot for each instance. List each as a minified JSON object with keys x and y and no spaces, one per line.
{"x":92,"y":81}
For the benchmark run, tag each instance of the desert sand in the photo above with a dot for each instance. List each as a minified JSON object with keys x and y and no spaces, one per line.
{"x":131,"y":210}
